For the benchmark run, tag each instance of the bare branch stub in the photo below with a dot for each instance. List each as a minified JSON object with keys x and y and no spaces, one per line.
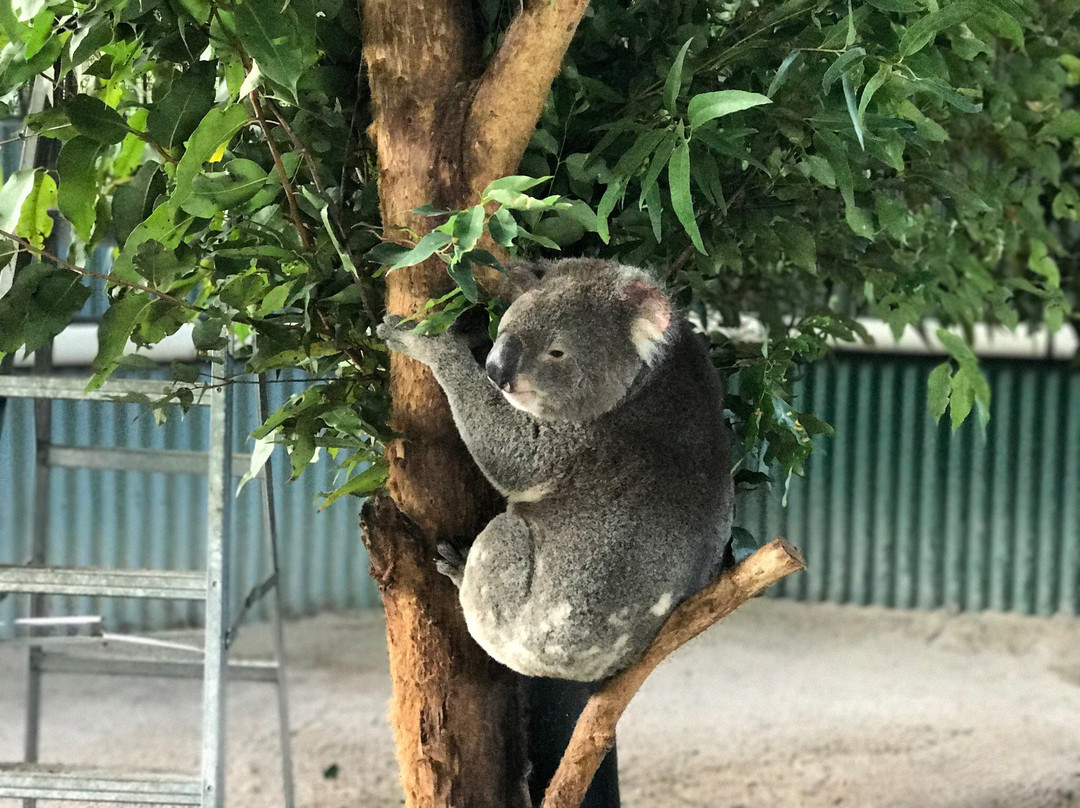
{"x":595,"y":731}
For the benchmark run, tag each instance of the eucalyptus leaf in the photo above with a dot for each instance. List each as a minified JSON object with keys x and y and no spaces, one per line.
{"x":114,"y":331}
{"x":845,"y":63}
{"x":950,"y":95}
{"x":386,"y":253}
{"x":503,"y":227}
{"x":924,"y":29}
{"x":133,"y":201}
{"x":516,"y":184}
{"x":938,"y":389}
{"x":424,"y":249}
{"x":673,"y":82}
{"x":34,"y":223}
{"x":39,"y":305}
{"x":798,"y":243}
{"x":175,"y":116}
{"x":537,"y":238}
{"x":366,"y":482}
{"x":213,"y":131}
{"x":96,"y":121}
{"x":89,"y":39}
{"x":13,"y":195}
{"x":961,"y":397}
{"x":781,"y":74}
{"x":1063,"y":126}
{"x":681,"y":201}
{"x":462,"y":273}
{"x":706,"y":107}
{"x":281,"y":41}
{"x":468,"y":228}
{"x":519,"y":201}
{"x":78,"y":191}
{"x":877,"y":81}
{"x":853,"y":112}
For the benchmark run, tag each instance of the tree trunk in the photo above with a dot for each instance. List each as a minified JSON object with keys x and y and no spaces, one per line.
{"x":444,"y":127}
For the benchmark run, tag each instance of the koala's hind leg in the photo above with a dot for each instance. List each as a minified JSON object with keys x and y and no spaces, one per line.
{"x":496,"y":586}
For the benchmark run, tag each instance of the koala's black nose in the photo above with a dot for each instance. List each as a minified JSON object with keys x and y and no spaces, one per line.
{"x":502,"y":361}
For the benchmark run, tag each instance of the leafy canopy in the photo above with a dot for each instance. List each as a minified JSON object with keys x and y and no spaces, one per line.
{"x":803,"y":162}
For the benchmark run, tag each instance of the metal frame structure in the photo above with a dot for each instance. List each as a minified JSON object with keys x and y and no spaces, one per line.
{"x":31,"y":780}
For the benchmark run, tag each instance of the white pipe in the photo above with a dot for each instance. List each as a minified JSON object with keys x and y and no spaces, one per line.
{"x":1025,"y":342}
{"x":989,"y":341}
{"x":77,"y":345}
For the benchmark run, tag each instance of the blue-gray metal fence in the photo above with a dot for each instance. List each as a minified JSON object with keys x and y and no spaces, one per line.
{"x":896,"y":511}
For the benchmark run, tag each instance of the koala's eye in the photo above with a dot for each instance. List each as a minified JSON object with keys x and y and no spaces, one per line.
{"x":555,"y":353}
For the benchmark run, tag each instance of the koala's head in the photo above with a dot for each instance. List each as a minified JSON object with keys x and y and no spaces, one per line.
{"x":577,"y":335}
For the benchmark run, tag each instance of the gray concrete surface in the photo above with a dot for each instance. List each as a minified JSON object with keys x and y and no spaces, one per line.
{"x":784,"y":705}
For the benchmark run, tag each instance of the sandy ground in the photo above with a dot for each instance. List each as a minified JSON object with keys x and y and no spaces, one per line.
{"x":784,"y":705}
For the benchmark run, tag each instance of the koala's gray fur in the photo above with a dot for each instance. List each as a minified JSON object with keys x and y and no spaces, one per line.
{"x":613,"y":457}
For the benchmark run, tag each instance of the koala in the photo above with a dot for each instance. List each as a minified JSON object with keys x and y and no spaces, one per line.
{"x":599,"y":417}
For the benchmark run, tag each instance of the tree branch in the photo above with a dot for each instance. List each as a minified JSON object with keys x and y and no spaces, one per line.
{"x":56,"y":260}
{"x":594,"y":734}
{"x":515,"y":86}
{"x":328,"y":331}
{"x":283,"y":175}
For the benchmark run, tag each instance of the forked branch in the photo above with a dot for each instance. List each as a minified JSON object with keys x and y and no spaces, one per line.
{"x":594,"y":734}
{"x":512,"y":91}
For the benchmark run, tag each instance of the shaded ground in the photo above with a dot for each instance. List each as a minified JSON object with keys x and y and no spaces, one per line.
{"x":785,"y":705}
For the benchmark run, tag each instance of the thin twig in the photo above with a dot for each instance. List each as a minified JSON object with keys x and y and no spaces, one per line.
{"x":89,"y":273}
{"x":286,"y":184}
{"x":297,"y":143}
{"x":328,"y":332}
{"x":680,"y":262}
{"x":145,"y":138}
{"x":313,"y":168}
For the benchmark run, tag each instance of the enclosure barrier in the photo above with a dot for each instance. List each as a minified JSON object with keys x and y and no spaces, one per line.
{"x":894,"y":510}
{"x":42,"y":576}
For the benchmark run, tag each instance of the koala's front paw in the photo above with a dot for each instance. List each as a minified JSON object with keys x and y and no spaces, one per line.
{"x":399,"y":337}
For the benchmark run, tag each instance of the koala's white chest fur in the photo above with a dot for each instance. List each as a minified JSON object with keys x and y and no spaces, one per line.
{"x":532,"y":494}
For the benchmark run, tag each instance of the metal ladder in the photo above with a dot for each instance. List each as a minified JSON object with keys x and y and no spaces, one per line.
{"x":31,"y":780}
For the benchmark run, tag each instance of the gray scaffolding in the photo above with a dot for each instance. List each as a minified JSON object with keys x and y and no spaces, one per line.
{"x":32,"y":780}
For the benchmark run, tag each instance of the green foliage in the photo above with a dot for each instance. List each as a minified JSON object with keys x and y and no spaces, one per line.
{"x":962,"y":389}
{"x":38,"y":306}
{"x":454,"y":241}
{"x":165,"y":155}
{"x":918,"y":159}
{"x":801,"y":163}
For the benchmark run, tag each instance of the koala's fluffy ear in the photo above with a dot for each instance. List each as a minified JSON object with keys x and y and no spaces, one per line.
{"x":519,"y":279}
{"x":652,"y":317}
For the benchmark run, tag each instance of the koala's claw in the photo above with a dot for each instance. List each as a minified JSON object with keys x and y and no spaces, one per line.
{"x":389,"y":327}
{"x":390,"y":322}
{"x":451,"y":562}
{"x":455,"y":574}
{"x":391,"y":332}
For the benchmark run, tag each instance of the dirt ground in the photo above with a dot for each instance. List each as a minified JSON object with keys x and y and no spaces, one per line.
{"x":784,"y":705}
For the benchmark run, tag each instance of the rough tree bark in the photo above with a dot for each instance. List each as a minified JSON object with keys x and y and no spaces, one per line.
{"x":445,"y":125}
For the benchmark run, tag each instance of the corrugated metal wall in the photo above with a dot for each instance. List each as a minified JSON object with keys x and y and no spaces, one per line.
{"x":896,"y":511}
{"x":128,"y":519}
